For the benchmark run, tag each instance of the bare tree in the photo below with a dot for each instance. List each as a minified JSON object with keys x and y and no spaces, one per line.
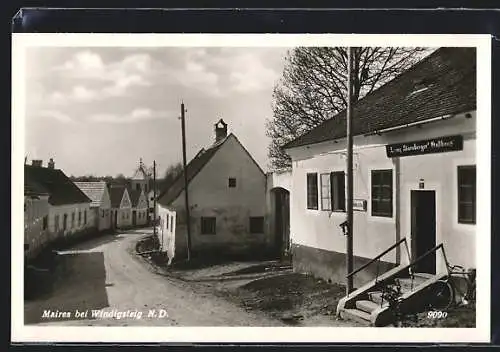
{"x":171,"y":174}
{"x":313,"y":88}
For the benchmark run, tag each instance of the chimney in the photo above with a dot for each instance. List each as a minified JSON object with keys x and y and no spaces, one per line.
{"x":51,"y":164}
{"x":220,"y":130}
{"x":37,"y":163}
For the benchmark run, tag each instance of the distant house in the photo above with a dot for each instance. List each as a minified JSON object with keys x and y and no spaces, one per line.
{"x":69,"y":208}
{"x":121,"y":207}
{"x":139,"y":207}
{"x":414,"y":172}
{"x":227,"y":198}
{"x":101,"y":202}
{"x":36,"y":218}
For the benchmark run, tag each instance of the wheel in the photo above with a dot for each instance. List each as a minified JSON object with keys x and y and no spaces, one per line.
{"x":443,"y":295}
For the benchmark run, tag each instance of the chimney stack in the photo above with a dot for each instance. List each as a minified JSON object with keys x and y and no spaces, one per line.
{"x":51,"y":164}
{"x":220,"y":130}
{"x":37,"y":162}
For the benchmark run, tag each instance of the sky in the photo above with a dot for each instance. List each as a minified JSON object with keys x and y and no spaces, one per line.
{"x":97,"y":110}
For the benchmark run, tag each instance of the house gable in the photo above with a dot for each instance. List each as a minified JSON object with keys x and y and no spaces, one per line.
{"x":142,"y":202}
{"x":125,"y":203}
{"x":106,"y":199}
{"x":232,"y":160}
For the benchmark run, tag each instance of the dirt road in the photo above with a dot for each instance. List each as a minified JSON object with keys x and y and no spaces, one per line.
{"x":104,"y":277}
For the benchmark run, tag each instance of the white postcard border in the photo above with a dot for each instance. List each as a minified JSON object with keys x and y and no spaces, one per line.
{"x":21,"y":333}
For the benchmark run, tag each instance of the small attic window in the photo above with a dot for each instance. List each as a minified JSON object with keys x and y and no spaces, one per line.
{"x":232,"y":182}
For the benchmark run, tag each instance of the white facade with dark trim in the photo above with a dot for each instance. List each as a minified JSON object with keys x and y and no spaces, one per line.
{"x":438,"y":178}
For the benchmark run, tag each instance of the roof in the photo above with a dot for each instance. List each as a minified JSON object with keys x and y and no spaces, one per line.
{"x":93,"y":190}
{"x":134,"y":194}
{"x":193,"y":168}
{"x":33,"y":188}
{"x":450,"y":77}
{"x":60,"y":188}
{"x":116,"y":195}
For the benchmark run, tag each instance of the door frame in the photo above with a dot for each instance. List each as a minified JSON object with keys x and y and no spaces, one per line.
{"x":428,"y":186}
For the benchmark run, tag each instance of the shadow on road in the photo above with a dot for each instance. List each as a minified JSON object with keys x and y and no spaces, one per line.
{"x":79,"y":284}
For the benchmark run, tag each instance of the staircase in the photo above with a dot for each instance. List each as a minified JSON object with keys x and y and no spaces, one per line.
{"x":368,"y":306}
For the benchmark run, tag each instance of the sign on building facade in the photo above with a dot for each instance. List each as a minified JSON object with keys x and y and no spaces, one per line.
{"x":429,"y":146}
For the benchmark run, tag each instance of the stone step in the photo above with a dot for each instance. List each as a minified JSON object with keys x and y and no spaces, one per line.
{"x":367,"y":306}
{"x":356,"y":315}
{"x":376,"y":297}
{"x":424,"y":276}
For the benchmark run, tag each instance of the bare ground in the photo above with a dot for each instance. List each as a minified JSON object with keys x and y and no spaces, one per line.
{"x":264,"y":287}
{"x":106,"y":274}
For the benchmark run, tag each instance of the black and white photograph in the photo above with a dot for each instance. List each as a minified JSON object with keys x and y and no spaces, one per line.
{"x":179,"y":182}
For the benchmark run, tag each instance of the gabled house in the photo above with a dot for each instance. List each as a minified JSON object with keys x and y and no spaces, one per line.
{"x":69,"y":208}
{"x":139,"y":207}
{"x":121,"y":207}
{"x":101,"y":203}
{"x":227,"y":200}
{"x":36,"y":217}
{"x":414,"y":172}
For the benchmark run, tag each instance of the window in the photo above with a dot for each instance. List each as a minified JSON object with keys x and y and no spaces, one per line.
{"x":168,"y":220}
{"x":85,"y":217}
{"x":102,"y":213}
{"x":312,"y":191}
{"x":257,"y":224}
{"x":65,"y":222}
{"x":208,"y":226}
{"x":79,"y":218}
{"x":45,"y":222}
{"x":326,"y":195}
{"x":382,"y":193}
{"x":337,"y":186}
{"x":56,"y":223}
{"x":232,"y":182}
{"x":72,"y":220}
{"x":467,"y":194}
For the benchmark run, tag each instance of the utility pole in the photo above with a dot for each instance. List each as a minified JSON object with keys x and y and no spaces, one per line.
{"x":188,"y":217}
{"x":155,"y":214}
{"x":350,"y":191}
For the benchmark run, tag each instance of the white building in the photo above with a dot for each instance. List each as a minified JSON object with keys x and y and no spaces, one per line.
{"x":139,"y":207}
{"x":101,"y":203}
{"x":227,"y":199}
{"x":121,"y":207}
{"x":69,"y":208}
{"x":414,"y":174}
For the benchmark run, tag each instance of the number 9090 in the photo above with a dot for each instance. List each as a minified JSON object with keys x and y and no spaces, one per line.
{"x":437,"y":314}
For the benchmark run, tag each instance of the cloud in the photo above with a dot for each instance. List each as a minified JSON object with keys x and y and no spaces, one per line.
{"x":249,"y":72}
{"x":56,"y":115}
{"x":116,"y":78}
{"x":84,"y":62}
{"x":136,"y":115}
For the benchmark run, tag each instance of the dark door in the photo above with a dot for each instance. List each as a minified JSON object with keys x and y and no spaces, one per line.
{"x":134,"y":217}
{"x":116,"y":220}
{"x":423,"y":229}
{"x":282,"y":220}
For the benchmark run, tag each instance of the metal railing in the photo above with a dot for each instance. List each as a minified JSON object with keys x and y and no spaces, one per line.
{"x":377,"y":258}
{"x":426,"y":254}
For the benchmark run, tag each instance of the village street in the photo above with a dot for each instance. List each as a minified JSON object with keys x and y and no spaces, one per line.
{"x":104,"y":274}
